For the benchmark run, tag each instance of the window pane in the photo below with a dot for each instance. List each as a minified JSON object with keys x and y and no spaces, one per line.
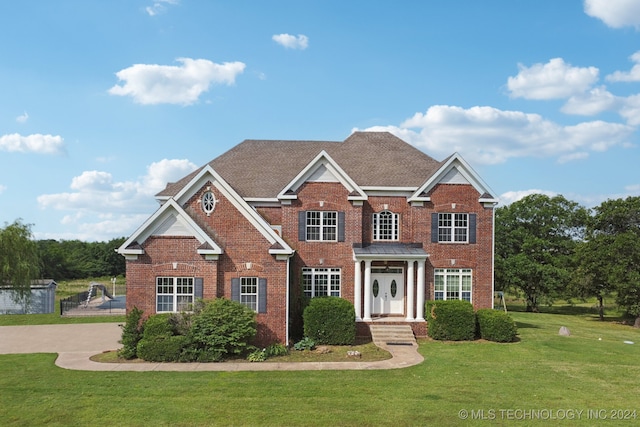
{"x":330,"y":225}
{"x":307,"y":282}
{"x":444,"y":227}
{"x":313,"y":225}
{"x":321,"y":282}
{"x":184,"y":302}
{"x":385,"y":226}
{"x":249,"y":292}
{"x":164,"y":303}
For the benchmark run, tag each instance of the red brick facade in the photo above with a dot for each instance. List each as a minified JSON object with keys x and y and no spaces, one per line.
{"x":244,"y":249}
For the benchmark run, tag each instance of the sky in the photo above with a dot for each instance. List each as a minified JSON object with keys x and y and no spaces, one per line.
{"x":104,"y":102}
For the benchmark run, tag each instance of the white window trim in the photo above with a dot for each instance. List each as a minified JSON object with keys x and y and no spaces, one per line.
{"x":174,"y":294}
{"x":331,"y":274}
{"x":253,"y":305}
{"x":393,"y":235}
{"x":208,"y":202}
{"x":453,"y":217}
{"x":459,"y":273}
{"x":322,"y":227}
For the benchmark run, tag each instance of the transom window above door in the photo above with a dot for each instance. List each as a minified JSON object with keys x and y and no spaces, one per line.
{"x":386,"y":226}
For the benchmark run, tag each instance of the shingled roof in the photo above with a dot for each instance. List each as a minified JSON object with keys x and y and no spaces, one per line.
{"x":262,"y":168}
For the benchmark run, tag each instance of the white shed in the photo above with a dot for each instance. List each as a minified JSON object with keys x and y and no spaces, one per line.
{"x":43,"y":297}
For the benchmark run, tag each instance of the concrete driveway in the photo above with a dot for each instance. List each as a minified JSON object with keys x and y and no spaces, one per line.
{"x":86,"y":337}
{"x":76,"y":343}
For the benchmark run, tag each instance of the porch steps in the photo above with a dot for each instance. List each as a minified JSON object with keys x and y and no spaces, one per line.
{"x":392,"y":334}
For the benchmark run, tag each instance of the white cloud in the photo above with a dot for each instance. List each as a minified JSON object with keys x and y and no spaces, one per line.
{"x":593,"y":102}
{"x":627,"y":76}
{"x":630,"y":110}
{"x":2,"y":188}
{"x":553,"y":80}
{"x":22,"y":118}
{"x":488,"y":135}
{"x":159,"y":7}
{"x":100,"y":204}
{"x":513,"y":196}
{"x":35,"y":143}
{"x":614,"y":13}
{"x":292,"y":42}
{"x":170,"y":84}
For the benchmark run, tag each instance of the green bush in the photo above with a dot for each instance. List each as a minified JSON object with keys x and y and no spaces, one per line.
{"x":257,"y":356}
{"x":158,"y":325}
{"x":451,"y":320}
{"x":330,"y":320}
{"x":276,"y":349}
{"x":305,"y":343}
{"x":220,"y":328}
{"x":131,"y":334}
{"x":162,"y":348}
{"x":496,"y":325}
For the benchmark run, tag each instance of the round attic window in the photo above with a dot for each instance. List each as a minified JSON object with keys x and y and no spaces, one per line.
{"x":208,"y":202}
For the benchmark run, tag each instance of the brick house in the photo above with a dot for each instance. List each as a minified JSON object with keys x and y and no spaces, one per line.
{"x":371,"y":219}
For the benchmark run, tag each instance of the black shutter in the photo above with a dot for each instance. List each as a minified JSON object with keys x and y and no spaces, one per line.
{"x":302,"y":226}
{"x":472,"y":228}
{"x":262,"y":295}
{"x":340,"y":226}
{"x":434,"y":227}
{"x":235,"y":289}
{"x":198,"y":287}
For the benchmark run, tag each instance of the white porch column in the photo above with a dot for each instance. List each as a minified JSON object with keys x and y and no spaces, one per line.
{"x":420,"y":302}
{"x":367,"y":290}
{"x":410,"y":286}
{"x":357,"y":290}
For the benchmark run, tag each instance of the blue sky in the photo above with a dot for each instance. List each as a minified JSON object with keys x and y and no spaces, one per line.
{"x":103,"y":102}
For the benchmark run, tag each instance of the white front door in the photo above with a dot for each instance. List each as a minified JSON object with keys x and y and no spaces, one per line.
{"x":387,"y":287}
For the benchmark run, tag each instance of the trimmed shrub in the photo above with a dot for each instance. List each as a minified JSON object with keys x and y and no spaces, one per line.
{"x":496,"y":325}
{"x":131,"y":334}
{"x":161,"y":348}
{"x":158,"y":325}
{"x":451,"y":320}
{"x":220,"y":328}
{"x":330,"y":320}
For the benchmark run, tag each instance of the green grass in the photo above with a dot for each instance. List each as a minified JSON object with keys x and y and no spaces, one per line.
{"x":593,"y":369}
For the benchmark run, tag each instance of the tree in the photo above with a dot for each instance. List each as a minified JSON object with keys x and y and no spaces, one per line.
{"x":611,"y":254}
{"x":535,"y":242}
{"x":19,"y":261}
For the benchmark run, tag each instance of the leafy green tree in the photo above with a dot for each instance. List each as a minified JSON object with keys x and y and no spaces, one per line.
{"x":535,"y":242}
{"x":611,"y":255}
{"x":19,"y":261}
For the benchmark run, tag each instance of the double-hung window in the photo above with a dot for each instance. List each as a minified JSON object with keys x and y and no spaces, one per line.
{"x":322,"y":226}
{"x":318,"y":282}
{"x":385,"y":226}
{"x":453,"y":227}
{"x":452,"y":283}
{"x":174,"y":294}
{"x":249,"y":292}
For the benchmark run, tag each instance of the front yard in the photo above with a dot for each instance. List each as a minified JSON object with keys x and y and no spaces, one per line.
{"x":540,"y":379}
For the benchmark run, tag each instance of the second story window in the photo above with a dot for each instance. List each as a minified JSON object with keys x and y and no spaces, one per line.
{"x":453,"y":227}
{"x":385,"y":226}
{"x":322,"y":226}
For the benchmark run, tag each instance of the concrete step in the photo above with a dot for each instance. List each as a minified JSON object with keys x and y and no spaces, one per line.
{"x":392,"y":334}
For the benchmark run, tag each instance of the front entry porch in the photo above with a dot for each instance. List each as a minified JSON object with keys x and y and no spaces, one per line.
{"x":389,"y":283}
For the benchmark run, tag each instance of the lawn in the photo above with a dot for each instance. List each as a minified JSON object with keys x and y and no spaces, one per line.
{"x":559,"y":380}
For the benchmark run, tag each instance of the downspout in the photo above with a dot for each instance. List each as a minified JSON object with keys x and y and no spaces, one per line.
{"x":287,"y":305}
{"x":493,"y":254}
